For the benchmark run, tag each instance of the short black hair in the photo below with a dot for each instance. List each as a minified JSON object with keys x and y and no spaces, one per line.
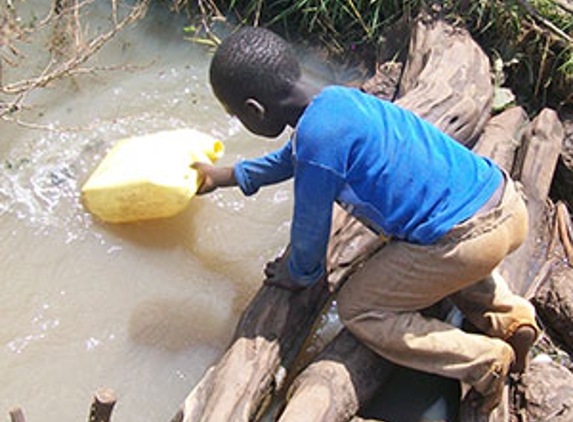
{"x":253,"y":62}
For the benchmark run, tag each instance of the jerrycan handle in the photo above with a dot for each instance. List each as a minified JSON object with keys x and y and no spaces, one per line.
{"x":216,"y":151}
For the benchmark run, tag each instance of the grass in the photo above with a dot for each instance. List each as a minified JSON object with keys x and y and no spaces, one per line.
{"x":532,"y":37}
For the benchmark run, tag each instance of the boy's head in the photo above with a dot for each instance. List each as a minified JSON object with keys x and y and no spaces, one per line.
{"x":252,"y":73}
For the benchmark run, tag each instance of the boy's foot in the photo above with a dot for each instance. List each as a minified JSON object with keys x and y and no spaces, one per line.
{"x":521,"y":342}
{"x":485,"y":404}
{"x":487,"y":393}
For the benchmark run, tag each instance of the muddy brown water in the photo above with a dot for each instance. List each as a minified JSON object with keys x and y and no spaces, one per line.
{"x":144,"y":308}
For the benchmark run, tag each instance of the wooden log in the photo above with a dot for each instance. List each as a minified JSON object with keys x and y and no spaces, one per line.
{"x":502,"y":137}
{"x":457,"y":98}
{"x":562,"y":186}
{"x":237,"y":387}
{"x":17,"y":415}
{"x":102,"y":405}
{"x":339,"y":379}
{"x":537,"y":158}
{"x":266,"y":340}
{"x":553,"y":298}
{"x":535,"y":163}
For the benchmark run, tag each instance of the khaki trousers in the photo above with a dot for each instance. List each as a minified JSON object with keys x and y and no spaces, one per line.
{"x":380,"y":304}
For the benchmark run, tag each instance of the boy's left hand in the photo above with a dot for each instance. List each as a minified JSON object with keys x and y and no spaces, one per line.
{"x":278,"y":274}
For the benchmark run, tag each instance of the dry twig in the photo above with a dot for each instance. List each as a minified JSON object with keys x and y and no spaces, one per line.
{"x":55,"y":70}
{"x":560,"y":34}
{"x":563,"y":222}
{"x":566,"y":5}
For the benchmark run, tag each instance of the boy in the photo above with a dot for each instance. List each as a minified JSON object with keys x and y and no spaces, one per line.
{"x":451,"y":215}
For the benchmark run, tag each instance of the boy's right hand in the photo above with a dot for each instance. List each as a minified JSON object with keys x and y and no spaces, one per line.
{"x":213,"y":177}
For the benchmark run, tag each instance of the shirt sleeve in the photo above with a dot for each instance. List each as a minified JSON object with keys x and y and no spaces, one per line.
{"x":267,"y":170}
{"x":316,"y":189}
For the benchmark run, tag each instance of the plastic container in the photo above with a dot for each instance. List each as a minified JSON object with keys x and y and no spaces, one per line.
{"x":148,"y":177}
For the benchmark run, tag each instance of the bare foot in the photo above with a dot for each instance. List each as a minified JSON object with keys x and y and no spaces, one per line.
{"x":521,"y":341}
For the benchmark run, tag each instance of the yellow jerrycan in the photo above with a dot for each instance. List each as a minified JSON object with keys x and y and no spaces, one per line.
{"x":149,"y":176}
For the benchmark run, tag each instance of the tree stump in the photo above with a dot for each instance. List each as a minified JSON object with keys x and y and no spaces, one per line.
{"x":17,"y":415}
{"x":102,"y":405}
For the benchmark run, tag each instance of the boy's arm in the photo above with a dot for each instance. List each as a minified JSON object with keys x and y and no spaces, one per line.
{"x":249,"y":175}
{"x":316,"y":188}
{"x":214,"y":177}
{"x":272,"y":168}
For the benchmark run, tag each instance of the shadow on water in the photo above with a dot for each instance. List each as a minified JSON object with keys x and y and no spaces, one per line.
{"x":175,"y":325}
{"x":163,"y":233}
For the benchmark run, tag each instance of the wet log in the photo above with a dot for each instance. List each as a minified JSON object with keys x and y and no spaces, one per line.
{"x":502,"y":137}
{"x":554,"y":303}
{"x":17,"y":415}
{"x":266,"y":340}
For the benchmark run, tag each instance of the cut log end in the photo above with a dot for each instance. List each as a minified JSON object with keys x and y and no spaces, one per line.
{"x":17,"y":415}
{"x":102,"y":405}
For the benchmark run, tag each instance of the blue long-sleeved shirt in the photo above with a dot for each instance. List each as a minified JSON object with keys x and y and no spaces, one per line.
{"x":391,"y":169}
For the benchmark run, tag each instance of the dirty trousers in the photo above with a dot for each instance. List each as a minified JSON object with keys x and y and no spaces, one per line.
{"x":380,"y":304}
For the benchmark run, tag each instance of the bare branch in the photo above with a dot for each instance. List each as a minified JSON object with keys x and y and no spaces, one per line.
{"x":544,"y":22}
{"x":82,"y":56}
{"x":566,"y":5}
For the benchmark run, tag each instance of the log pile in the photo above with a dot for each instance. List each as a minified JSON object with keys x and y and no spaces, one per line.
{"x":446,"y":80}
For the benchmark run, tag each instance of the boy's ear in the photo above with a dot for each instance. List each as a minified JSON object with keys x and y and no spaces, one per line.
{"x":255,"y":108}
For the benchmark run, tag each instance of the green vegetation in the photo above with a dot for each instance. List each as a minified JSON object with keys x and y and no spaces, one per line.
{"x":532,"y":38}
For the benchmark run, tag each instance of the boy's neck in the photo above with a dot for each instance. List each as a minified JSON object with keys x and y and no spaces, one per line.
{"x":298,"y":99}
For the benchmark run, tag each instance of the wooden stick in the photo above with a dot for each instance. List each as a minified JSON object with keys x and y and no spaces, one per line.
{"x":502,"y":137}
{"x":563,"y":221}
{"x":17,"y":415}
{"x":102,"y":405}
{"x":566,"y":5}
{"x":545,"y":22}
